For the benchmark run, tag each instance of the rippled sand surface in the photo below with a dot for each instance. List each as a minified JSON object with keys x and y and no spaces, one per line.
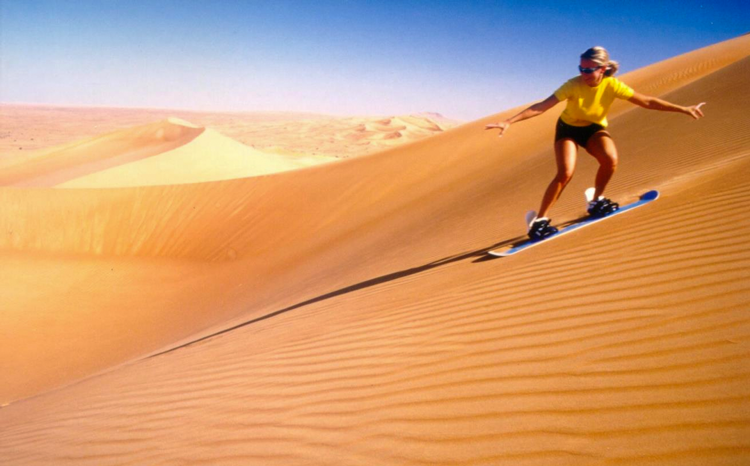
{"x":346,"y":313}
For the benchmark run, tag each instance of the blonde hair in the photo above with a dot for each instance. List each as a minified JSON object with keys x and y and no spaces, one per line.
{"x":600,"y":56}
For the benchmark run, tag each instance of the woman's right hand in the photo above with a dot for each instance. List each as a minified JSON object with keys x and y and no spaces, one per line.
{"x":502,"y":126}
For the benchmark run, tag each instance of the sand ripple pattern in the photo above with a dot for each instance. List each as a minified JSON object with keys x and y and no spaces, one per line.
{"x":394,"y":340}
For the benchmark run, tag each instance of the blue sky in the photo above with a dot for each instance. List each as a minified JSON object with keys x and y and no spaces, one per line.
{"x":464,"y":59}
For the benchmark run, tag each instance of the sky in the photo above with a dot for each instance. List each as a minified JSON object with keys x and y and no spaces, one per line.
{"x":463,"y":59}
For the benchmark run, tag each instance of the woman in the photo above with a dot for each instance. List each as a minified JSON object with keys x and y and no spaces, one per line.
{"x":583,"y":123}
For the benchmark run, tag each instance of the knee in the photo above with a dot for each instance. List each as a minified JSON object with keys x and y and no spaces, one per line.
{"x":609,"y":163}
{"x":564,"y":176}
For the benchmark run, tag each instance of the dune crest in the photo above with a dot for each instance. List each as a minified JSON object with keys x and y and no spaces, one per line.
{"x":172,"y":151}
{"x":209,"y":157}
{"x":57,"y":165}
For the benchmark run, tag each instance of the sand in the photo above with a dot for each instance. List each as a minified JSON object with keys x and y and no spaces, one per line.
{"x":347,"y":313}
{"x":31,"y":128}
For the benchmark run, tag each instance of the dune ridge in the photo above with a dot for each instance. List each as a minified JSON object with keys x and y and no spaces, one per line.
{"x":369,"y":327}
{"x":31,"y":130}
{"x":171,"y":151}
{"x":73,"y":160}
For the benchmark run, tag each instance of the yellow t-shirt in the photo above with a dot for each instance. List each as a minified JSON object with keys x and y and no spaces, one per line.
{"x":588,"y":104}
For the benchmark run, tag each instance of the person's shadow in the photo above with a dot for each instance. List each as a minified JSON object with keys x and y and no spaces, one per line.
{"x":480,"y":255}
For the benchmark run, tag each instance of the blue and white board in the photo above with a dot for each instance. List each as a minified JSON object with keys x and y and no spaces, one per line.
{"x":645,"y":199}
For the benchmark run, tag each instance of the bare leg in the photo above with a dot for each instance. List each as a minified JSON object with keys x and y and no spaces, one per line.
{"x":565,"y":154}
{"x":602,"y":147}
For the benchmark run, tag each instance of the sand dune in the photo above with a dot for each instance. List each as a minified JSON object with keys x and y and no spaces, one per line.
{"x":28,"y":129}
{"x":344,"y":137}
{"x":347,"y":314}
{"x":58,"y":165}
{"x":209,"y":157}
{"x":171,"y":151}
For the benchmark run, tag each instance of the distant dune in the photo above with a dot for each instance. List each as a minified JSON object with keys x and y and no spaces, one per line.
{"x":174,"y":151}
{"x":347,"y":313}
{"x":34,"y":128}
{"x":168,"y":152}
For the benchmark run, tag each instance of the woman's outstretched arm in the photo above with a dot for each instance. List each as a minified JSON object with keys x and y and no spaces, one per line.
{"x":535,"y":110}
{"x":652,"y":103}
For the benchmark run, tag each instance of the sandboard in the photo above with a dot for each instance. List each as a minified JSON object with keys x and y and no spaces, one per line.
{"x":528,"y":244}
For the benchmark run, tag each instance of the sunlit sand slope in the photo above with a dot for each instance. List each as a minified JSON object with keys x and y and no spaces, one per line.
{"x":168,"y":152}
{"x":210,"y":157}
{"x":346,"y":313}
{"x":73,"y":160}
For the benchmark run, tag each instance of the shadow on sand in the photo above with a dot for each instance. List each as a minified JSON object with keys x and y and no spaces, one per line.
{"x":480,"y":254}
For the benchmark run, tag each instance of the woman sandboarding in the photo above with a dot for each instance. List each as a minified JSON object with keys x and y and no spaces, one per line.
{"x":583,"y":123}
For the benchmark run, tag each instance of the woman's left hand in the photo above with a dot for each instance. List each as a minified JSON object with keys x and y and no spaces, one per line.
{"x":695,"y":110}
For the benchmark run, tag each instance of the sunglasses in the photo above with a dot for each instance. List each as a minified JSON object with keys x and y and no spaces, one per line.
{"x":588,"y":70}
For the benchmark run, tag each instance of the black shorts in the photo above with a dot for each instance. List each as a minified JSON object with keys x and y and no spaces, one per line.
{"x":579,"y":134}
